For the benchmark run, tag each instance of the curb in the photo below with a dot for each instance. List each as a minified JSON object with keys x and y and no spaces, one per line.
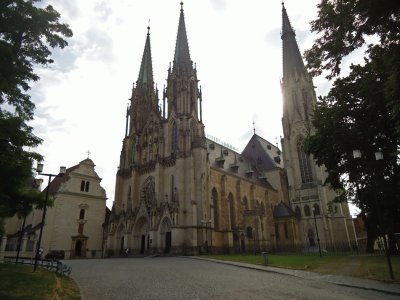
{"x":391,"y":288}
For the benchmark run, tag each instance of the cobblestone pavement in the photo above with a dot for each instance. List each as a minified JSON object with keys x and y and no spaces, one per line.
{"x":187,"y":278}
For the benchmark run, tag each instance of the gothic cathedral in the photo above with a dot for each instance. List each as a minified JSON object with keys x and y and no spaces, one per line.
{"x":179,"y":192}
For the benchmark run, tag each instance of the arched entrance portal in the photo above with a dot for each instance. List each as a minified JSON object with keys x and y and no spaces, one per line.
{"x":141,"y":236}
{"x":311,"y":238}
{"x":78,"y":248}
{"x":166,"y":235}
{"x":120,"y":239}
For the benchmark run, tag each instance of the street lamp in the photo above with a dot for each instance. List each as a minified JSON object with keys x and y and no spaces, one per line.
{"x":254,"y":239}
{"x":316,"y":230}
{"x":39,"y":169}
{"x":206,"y":222}
{"x":379,"y":156}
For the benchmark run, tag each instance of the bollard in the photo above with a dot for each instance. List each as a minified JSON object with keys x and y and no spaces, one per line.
{"x":265,"y":256}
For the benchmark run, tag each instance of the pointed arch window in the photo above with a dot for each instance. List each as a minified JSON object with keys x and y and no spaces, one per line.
{"x":214,"y":197}
{"x":316,"y":209}
{"x":298,"y":211}
{"x":307,"y":211}
{"x":305,"y":164}
{"x":174,"y":138}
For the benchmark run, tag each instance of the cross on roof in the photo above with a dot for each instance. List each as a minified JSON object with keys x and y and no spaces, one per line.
{"x":88,"y":153}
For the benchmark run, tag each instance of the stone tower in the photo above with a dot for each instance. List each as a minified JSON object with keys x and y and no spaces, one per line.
{"x":307,"y":194}
{"x":161,"y":186}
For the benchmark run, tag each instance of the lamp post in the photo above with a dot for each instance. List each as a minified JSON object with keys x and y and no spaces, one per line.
{"x":316,"y":230}
{"x":379,"y":156}
{"x":206,"y":222}
{"x":39,"y":169}
{"x":254,"y":239}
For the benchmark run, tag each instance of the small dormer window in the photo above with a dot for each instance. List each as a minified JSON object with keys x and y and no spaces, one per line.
{"x":269,"y":147}
{"x":85,"y":185}
{"x":82,"y":185}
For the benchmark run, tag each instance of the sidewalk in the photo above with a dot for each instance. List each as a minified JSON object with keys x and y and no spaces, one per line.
{"x":360,"y":283}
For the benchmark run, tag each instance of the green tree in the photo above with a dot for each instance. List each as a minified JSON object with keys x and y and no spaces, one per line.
{"x":27,"y":32}
{"x":362,"y":109}
{"x":343,"y":26}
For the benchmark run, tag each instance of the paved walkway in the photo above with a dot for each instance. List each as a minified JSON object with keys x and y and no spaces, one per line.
{"x":366,"y":284}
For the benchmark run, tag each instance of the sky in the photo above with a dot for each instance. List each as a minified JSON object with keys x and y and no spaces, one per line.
{"x":81,"y":99}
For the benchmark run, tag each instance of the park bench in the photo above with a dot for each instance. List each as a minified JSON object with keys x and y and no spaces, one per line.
{"x":63,"y":269}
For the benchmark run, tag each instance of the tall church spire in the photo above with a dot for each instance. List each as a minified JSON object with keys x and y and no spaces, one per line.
{"x":144,"y":98}
{"x":182,"y":55}
{"x":146,"y":67}
{"x":293,"y":65}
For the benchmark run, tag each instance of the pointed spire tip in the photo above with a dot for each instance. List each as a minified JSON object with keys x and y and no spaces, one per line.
{"x":181,"y":5}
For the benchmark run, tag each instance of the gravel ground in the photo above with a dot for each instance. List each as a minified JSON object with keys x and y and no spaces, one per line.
{"x":186,"y":278}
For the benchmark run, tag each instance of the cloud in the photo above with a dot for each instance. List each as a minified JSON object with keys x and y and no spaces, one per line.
{"x":218,"y":4}
{"x":64,"y":59}
{"x":273,"y":37}
{"x":68,"y":8}
{"x":97,"y":45}
{"x":102,"y":10}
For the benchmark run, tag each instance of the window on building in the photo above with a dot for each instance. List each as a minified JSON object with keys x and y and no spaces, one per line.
{"x":82,"y":214}
{"x":245,"y":203}
{"x":317,"y":211}
{"x":305,"y":165}
{"x":87,"y":186}
{"x":214,"y":195}
{"x":174,"y":138}
{"x":286,"y":231}
{"x":298,"y":211}
{"x":277,"y":231}
{"x":249,"y":232}
{"x":307,"y":211}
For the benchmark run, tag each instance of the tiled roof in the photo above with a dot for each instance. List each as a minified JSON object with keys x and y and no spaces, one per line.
{"x":232,"y":162}
{"x":282,"y":210}
{"x":58,"y":180}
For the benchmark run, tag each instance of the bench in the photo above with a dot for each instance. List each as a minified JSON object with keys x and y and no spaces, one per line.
{"x":63,"y":269}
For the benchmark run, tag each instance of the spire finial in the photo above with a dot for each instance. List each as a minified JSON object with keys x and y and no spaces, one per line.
{"x":148,"y":28}
{"x":182,"y":5}
{"x":88,"y":153}
{"x":254,"y":127}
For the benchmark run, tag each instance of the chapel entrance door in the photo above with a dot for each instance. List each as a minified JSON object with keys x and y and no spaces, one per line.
{"x":168,"y":238}
{"x":142,"y":244}
{"x":78,"y":248}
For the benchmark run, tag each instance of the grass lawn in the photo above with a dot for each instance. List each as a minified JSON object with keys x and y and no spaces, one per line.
{"x":20,"y":282}
{"x":373,"y":267}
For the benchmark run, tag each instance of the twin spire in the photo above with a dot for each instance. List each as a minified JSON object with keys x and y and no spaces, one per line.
{"x":181,"y":57}
{"x":293,"y":65}
{"x":146,"y":67}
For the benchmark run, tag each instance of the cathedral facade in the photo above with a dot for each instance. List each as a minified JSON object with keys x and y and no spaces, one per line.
{"x":178,"y":191}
